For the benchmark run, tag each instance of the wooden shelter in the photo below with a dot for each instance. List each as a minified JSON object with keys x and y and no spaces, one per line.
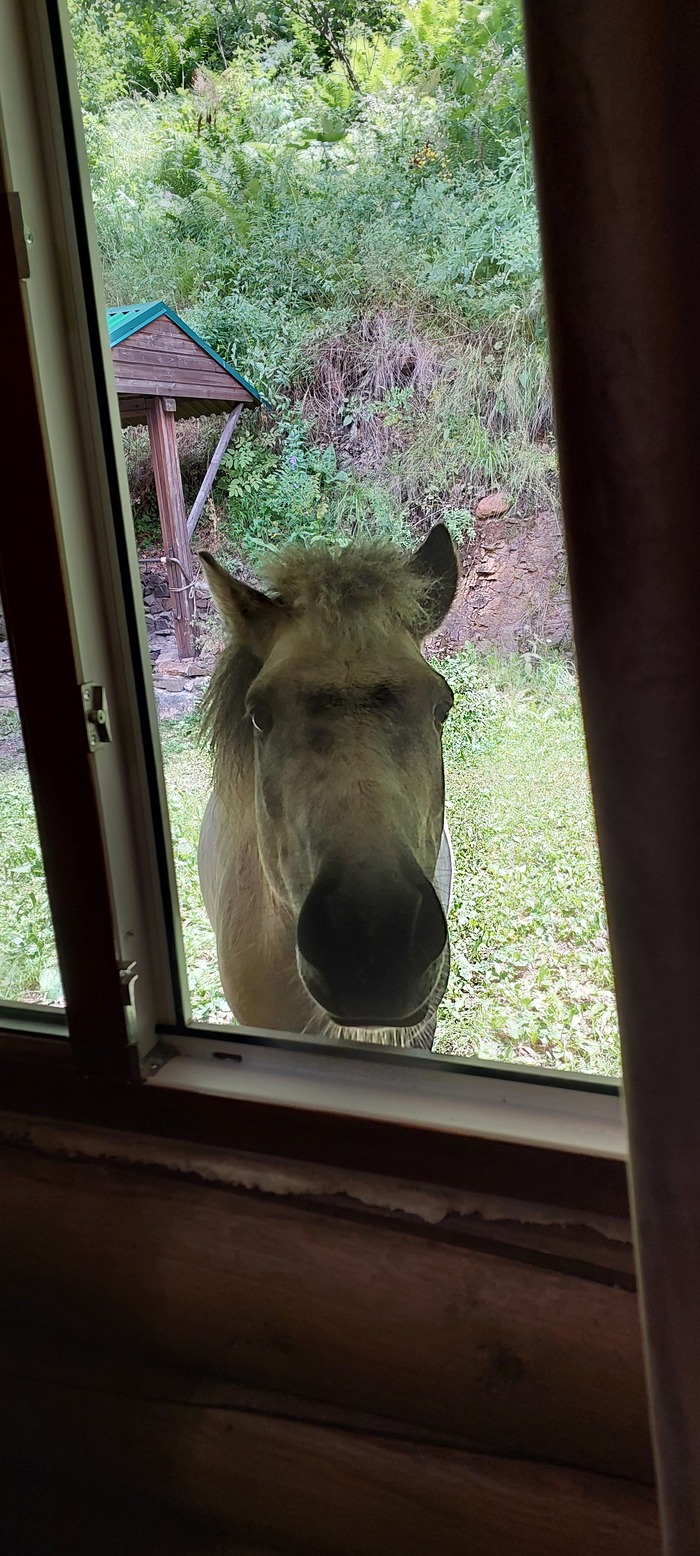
{"x":165,"y":372}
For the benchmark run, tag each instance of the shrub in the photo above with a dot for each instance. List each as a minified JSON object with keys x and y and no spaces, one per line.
{"x":281,"y":489}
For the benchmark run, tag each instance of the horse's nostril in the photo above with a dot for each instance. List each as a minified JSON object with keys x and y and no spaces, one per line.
{"x":316,"y":930}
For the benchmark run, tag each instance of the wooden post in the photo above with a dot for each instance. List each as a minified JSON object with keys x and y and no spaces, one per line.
{"x":210,"y":477}
{"x":616,"y":131}
{"x":160,"y":418}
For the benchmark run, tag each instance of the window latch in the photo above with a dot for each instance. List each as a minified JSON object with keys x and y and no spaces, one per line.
{"x":157,"y":1057}
{"x":21,"y":237}
{"x":96,"y":715}
{"x":128,"y":973}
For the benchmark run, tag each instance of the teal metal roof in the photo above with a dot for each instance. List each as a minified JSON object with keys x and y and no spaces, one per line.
{"x":123,"y":322}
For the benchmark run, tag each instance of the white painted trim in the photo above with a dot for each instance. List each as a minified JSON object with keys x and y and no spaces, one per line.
{"x":423,"y":1094}
{"x":76,"y":439}
{"x":523,"y":1112}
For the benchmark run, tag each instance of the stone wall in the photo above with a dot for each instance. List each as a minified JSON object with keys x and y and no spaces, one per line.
{"x":158,"y":604}
{"x":178,"y":683}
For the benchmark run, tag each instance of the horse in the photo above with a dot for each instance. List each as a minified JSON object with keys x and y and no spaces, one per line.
{"x":324,"y":861}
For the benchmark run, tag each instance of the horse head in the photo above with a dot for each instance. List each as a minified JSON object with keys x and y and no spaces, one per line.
{"x":325,"y":715}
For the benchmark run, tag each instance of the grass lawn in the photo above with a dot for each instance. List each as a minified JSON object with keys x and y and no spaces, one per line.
{"x":28,"y":968}
{"x":531,"y":977}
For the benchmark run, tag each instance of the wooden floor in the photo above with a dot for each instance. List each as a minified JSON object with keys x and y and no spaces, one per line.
{"x":234,"y":1366}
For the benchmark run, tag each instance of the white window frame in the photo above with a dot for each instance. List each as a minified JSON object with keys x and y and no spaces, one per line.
{"x":82,"y":429}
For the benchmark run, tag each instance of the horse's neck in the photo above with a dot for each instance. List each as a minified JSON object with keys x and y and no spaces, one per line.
{"x":231,"y":874}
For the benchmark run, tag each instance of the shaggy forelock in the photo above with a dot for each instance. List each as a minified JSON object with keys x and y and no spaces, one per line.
{"x":362,"y":590}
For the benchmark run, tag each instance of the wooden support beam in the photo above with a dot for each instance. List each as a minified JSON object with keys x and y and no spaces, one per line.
{"x":616,"y":131}
{"x":296,"y":1356}
{"x":160,"y":420}
{"x":212,"y":471}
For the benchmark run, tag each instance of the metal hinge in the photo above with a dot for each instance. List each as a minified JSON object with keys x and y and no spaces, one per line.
{"x":127,"y":977}
{"x":96,"y":715}
{"x":20,"y":235}
{"x":157,"y":1057}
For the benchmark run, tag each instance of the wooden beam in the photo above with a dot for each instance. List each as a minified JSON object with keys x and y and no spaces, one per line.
{"x":210,"y":477}
{"x":616,"y":130}
{"x":315,"y":1299}
{"x":173,"y":521}
{"x":201,"y":387}
{"x":284,"y":1474}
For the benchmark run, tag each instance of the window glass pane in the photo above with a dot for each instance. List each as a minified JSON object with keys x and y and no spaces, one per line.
{"x":28,"y":961}
{"x":188,"y":781}
{"x":353,"y":231}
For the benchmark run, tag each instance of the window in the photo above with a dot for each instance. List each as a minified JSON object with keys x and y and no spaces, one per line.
{"x":105,"y":633}
{"x":393,"y":420}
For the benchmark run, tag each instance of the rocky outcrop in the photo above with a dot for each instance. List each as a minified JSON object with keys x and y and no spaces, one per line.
{"x":513,"y":594}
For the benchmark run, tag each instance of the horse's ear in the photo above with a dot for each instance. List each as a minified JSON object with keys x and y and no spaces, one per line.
{"x":436,"y":561}
{"x":246,"y":613}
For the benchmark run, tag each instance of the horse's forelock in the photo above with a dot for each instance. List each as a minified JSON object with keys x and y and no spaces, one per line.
{"x":358,"y":594}
{"x":362,"y":591}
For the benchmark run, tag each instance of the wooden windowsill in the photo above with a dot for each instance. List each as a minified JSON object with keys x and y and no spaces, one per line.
{"x":38,"y":1079}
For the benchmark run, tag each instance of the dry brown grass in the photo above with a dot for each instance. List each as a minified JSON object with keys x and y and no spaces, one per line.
{"x":440,"y":419}
{"x":355,"y":373}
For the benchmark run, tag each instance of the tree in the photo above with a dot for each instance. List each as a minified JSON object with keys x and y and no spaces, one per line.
{"x":331,"y":22}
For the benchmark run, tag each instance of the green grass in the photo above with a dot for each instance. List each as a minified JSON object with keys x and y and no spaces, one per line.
{"x":531,"y":979}
{"x":28,"y":966}
{"x":187,"y":771}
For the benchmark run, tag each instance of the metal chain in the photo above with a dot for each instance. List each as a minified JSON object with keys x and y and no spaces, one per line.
{"x":187,"y":588}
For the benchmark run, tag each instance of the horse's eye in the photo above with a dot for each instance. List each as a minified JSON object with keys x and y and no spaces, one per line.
{"x":261,"y":719}
{"x":442,"y":712}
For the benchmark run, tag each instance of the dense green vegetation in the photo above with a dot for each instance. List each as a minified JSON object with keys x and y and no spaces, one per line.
{"x":338,"y":195}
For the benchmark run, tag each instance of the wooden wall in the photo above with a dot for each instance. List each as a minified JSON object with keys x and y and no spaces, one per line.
{"x":291,"y":1362}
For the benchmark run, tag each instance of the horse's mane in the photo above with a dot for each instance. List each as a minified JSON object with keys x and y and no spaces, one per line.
{"x":362,"y":592}
{"x":224,"y":722}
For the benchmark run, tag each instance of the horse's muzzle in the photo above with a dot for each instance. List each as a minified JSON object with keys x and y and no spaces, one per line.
{"x":370,"y":938}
